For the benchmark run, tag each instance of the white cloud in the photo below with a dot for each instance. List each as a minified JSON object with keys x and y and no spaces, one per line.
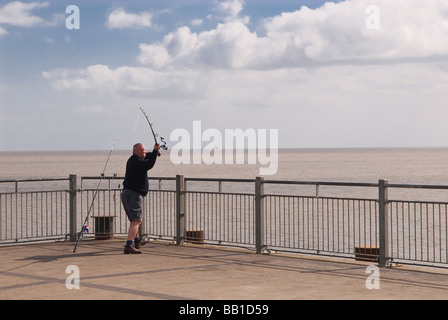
{"x":231,"y":8}
{"x":119,"y":18}
{"x":3,"y":32}
{"x":333,"y":33}
{"x":48,"y":40}
{"x":337,"y":32}
{"x":154,"y":56}
{"x":196,"y":22}
{"x":19,"y":14}
{"x":130,"y":80}
{"x":230,"y":45}
{"x":315,"y":71}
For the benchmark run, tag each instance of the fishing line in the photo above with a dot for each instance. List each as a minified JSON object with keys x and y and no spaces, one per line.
{"x":131,"y":137}
{"x":85,"y":227}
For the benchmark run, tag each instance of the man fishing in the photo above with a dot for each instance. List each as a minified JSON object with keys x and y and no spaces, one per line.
{"x":136,"y":187}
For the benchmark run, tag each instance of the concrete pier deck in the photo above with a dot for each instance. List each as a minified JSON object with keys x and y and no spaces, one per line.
{"x":168,"y":272}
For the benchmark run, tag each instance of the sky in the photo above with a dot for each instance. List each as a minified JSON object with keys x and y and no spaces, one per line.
{"x":341,"y":74}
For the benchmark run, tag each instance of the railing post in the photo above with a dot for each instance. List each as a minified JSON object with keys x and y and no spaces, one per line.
{"x":383,"y":223}
{"x":180,"y":210}
{"x":73,"y":191}
{"x":259,"y":215}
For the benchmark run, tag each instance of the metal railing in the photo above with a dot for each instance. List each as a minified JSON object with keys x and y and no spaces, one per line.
{"x":319,"y":224}
{"x":33,"y":209}
{"x":159,"y":207}
{"x":418,"y":229}
{"x":226,"y":217}
{"x":326,"y":218}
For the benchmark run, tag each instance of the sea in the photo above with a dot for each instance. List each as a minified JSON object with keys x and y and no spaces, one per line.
{"x":427,"y":166}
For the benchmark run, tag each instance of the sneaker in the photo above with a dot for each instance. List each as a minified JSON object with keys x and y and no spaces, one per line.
{"x":131,"y":250}
{"x":141,"y":243}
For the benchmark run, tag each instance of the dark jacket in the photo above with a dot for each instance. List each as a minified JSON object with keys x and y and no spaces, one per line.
{"x":136,"y":177}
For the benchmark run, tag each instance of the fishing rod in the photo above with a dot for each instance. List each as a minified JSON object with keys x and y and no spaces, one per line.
{"x":85,"y":227}
{"x":155,"y":135}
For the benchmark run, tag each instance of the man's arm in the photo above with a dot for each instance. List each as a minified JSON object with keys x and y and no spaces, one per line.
{"x":152,"y":157}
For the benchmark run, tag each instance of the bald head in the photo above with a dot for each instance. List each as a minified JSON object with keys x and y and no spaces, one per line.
{"x":139,"y":150}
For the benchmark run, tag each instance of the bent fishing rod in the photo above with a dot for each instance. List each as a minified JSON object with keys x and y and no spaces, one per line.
{"x":155,"y":135}
{"x":85,"y":227}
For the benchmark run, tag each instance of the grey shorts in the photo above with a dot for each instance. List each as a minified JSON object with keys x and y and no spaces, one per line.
{"x":132,"y":203}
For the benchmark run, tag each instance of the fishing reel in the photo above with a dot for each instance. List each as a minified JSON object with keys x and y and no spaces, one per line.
{"x":163,"y":144}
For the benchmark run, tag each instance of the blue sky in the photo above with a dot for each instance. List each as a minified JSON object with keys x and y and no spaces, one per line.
{"x":311,"y":69}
